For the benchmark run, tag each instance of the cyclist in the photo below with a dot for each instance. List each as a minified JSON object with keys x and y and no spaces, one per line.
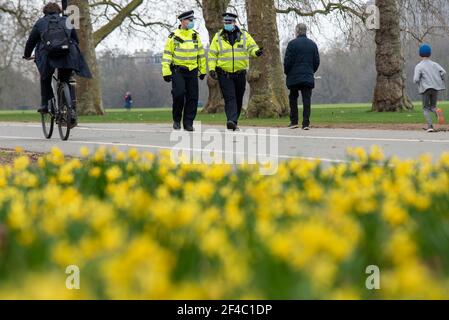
{"x":57,"y":47}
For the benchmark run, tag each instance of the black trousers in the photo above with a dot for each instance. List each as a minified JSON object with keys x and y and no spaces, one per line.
{"x":46,"y":88}
{"x":185,"y":92}
{"x":306,"y":93}
{"x":233,"y":88}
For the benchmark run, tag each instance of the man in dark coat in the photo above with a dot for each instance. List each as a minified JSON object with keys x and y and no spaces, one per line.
{"x":301,"y":62}
{"x":66,"y":64}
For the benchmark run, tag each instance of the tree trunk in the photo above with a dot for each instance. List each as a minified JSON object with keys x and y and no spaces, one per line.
{"x":268,"y":96}
{"x":389,"y":94}
{"x":89,"y":100}
{"x":212,"y":12}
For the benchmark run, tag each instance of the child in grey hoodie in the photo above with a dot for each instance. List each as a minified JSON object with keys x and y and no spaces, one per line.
{"x":430,"y":77}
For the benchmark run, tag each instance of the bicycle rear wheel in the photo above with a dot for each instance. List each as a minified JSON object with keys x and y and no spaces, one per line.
{"x":64,"y":115}
{"x":48,"y":122}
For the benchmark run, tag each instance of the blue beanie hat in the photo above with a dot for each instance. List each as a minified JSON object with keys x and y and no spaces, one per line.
{"x":425,"y":50}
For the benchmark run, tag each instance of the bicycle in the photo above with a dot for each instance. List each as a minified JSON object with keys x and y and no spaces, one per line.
{"x":60,"y":109}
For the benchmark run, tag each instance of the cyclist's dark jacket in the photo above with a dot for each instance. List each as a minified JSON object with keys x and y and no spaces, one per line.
{"x":46,"y":65}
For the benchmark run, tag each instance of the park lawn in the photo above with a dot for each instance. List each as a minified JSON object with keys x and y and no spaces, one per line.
{"x":321,"y":115}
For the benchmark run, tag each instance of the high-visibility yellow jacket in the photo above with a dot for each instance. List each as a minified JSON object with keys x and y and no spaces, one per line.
{"x":184,"y":48}
{"x":231,"y":58}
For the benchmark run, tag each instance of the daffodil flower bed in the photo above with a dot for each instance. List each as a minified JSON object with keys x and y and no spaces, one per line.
{"x":140,"y":227}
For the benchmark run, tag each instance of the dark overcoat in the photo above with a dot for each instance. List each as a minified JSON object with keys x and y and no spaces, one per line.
{"x":73,"y":60}
{"x":301,"y":62}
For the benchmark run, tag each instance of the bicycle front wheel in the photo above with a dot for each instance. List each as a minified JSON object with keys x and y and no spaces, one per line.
{"x":64,"y":116}
{"x":48,"y":123}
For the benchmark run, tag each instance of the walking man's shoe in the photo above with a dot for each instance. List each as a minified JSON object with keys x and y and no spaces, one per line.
{"x":430,"y":129}
{"x":189,"y":128}
{"x":307,"y":128}
{"x":231,"y":125}
{"x":176,"y":126}
{"x":293,"y":126}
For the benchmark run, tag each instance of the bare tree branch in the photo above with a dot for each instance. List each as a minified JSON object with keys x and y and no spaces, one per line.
{"x":114,"y":23}
{"x":325,"y":9}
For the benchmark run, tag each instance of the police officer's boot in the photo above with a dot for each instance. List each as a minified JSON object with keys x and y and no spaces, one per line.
{"x":231,"y":125}
{"x":177,"y":125}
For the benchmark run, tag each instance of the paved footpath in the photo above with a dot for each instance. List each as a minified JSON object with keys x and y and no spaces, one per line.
{"x":329,"y":145}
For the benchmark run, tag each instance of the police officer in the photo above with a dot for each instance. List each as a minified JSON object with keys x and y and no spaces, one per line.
{"x":183,"y":60}
{"x":229,"y":55}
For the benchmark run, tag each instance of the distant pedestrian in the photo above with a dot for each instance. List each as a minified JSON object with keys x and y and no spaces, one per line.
{"x":128,"y":101}
{"x":301,"y":62}
{"x":430,"y":77}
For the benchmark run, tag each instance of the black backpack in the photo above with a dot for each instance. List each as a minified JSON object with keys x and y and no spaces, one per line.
{"x":56,"y":38}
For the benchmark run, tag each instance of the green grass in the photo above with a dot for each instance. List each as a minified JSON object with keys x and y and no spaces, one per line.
{"x":321,"y":114}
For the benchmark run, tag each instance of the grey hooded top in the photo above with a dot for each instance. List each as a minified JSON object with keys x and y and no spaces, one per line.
{"x":429,"y":75}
